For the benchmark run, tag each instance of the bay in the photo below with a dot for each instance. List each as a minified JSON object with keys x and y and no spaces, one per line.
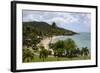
{"x":82,"y":39}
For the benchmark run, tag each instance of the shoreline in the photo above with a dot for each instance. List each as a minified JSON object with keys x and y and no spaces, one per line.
{"x":46,"y":40}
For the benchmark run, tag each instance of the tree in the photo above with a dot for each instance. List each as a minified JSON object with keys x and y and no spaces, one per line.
{"x":84,"y":51}
{"x":28,"y":55}
{"x":70,"y":46}
{"x":58,"y":48}
{"x":43,"y":53}
{"x":49,"y":52}
{"x":60,"y":52}
{"x":64,"y":48}
{"x":78,"y":52}
{"x":54,"y":25}
{"x":35,"y":41}
{"x":59,"y":44}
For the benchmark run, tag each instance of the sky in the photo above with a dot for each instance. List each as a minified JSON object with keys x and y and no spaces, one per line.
{"x":78,"y":22}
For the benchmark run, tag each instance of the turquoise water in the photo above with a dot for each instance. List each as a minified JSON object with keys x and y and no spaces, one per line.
{"x":81,"y":39}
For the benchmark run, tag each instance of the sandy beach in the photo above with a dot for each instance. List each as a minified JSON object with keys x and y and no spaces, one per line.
{"x":45,"y":42}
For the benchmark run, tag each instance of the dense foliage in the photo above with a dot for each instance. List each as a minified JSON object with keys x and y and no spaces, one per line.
{"x":44,"y":29}
{"x":67,"y":48}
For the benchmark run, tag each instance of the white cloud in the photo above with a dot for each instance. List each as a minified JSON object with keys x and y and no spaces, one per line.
{"x":65,"y":19}
{"x":62,"y":19}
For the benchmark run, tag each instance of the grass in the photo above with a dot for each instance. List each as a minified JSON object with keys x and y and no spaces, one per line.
{"x":50,"y":59}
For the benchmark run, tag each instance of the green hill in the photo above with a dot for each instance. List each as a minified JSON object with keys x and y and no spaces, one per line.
{"x":44,"y":29}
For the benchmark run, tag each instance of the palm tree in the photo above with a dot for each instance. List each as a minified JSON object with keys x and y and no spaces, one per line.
{"x":78,"y":52}
{"x":85,"y":51}
{"x":28,"y":55}
{"x":43,"y":53}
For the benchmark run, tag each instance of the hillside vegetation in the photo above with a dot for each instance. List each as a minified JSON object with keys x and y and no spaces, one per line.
{"x":45,"y":29}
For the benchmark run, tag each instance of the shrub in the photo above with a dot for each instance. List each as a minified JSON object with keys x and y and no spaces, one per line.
{"x":28,"y":55}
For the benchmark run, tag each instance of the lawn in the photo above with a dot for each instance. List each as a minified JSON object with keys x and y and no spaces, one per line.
{"x":37,"y":59}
